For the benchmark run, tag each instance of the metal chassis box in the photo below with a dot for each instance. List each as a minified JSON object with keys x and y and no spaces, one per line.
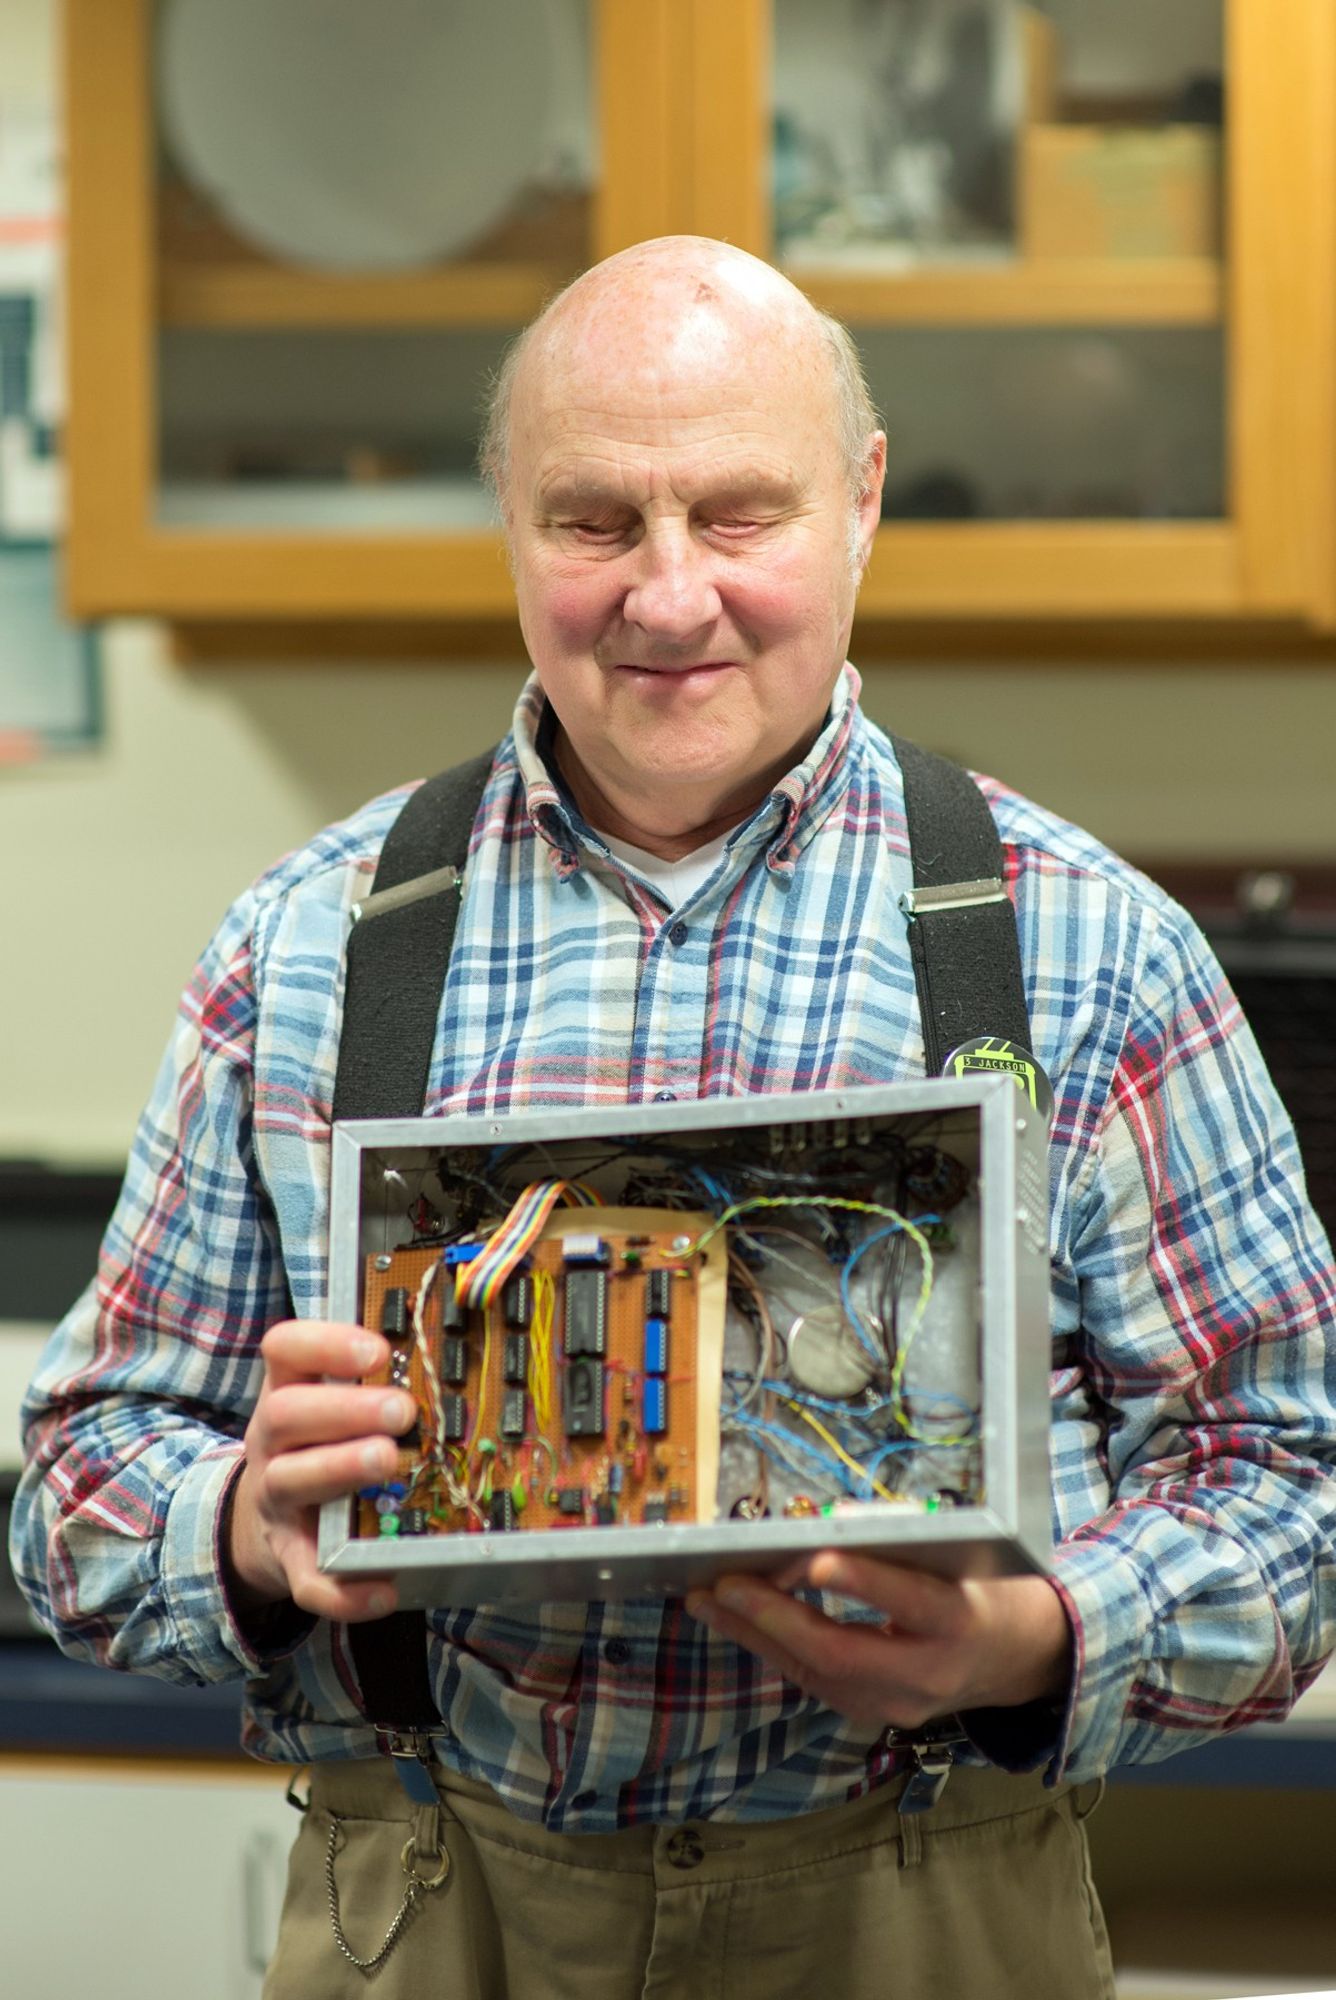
{"x":1007,"y":1532}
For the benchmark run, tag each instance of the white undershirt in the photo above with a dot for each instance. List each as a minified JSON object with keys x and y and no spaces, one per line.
{"x":677,"y":880}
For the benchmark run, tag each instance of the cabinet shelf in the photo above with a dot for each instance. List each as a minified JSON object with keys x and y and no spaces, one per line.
{"x":247,"y":292}
{"x":1186,"y":291}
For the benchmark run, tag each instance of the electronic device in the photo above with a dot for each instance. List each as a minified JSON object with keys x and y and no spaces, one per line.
{"x":652,"y":1344}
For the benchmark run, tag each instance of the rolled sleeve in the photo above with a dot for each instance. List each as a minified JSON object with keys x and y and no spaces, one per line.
{"x":1196,"y":1554}
{"x":134,"y":1421}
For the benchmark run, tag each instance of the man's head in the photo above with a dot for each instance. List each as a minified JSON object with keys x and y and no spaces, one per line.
{"x":689,"y":472}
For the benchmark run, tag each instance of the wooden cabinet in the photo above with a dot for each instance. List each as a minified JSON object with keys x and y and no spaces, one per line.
{"x":682,"y":99}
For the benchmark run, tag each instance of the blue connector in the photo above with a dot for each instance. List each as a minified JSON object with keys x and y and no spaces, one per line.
{"x":654,"y":1406}
{"x":656,"y":1346}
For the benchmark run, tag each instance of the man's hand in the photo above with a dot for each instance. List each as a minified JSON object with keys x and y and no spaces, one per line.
{"x":311,"y":1440}
{"x":945,"y":1646}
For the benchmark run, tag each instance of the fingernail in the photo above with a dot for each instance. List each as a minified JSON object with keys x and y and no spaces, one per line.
{"x":381,"y":1603}
{"x":734,"y":1597}
{"x":700,"y":1608}
{"x":365,"y":1352}
{"x":396,"y":1412}
{"x":375,"y":1457}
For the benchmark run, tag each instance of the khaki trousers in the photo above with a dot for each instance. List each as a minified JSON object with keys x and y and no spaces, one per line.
{"x":988,"y":1894}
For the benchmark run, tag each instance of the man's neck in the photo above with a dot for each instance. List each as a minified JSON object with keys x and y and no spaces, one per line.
{"x":665,"y":837}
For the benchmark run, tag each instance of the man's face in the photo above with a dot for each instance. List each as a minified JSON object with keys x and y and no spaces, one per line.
{"x":681,"y":522}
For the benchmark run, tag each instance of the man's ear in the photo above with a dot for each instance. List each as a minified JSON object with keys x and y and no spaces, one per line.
{"x":867,"y":510}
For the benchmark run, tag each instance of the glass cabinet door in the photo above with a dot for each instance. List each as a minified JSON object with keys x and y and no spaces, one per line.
{"x":355,"y":207}
{"x":1020,"y":210}
{"x":1089,"y":252}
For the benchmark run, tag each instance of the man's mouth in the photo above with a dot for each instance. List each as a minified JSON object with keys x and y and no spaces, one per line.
{"x":675,"y":669}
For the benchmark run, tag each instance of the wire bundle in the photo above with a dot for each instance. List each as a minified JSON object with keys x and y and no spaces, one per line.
{"x":479,"y":1283}
{"x":540,"y":1347}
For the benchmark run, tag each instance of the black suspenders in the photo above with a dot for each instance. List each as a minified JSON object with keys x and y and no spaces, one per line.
{"x":967,"y":970}
{"x":962,"y":927}
{"x":398,"y":951}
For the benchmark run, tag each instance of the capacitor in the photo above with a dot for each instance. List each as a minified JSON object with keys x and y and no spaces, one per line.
{"x":826,"y":1355}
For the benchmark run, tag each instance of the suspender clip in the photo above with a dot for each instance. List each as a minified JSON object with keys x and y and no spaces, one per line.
{"x":933,"y":1753}
{"x":382,"y":901}
{"x":925,"y":902}
{"x":413,"y":1758}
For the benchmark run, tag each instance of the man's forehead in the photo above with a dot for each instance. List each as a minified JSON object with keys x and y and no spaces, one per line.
{"x":625,"y":446}
{"x":578,"y":469}
{"x":691,"y":397}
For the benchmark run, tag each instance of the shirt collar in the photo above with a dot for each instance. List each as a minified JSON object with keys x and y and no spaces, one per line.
{"x":782,"y":824}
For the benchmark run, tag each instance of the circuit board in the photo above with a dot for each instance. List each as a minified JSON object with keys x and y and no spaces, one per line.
{"x":585,"y":1394}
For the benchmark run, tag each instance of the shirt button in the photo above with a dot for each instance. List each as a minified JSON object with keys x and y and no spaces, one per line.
{"x":678,"y":934}
{"x":583,"y":1800}
{"x":665,"y":1097}
{"x":616,"y":1652}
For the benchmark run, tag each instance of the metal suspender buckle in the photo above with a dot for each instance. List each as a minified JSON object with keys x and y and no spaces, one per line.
{"x":411,"y":1752}
{"x":933,"y":1753}
{"x":382,"y":901}
{"x":926,"y":902}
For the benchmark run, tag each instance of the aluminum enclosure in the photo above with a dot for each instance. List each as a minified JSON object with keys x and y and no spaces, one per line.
{"x":1003,"y":1315}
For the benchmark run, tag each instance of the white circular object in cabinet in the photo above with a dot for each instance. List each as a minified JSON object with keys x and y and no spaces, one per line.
{"x":362,"y":134}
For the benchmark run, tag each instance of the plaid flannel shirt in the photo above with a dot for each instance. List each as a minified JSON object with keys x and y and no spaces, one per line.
{"x":1193,"y":1422}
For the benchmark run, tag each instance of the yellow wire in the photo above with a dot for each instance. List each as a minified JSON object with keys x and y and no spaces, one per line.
{"x":476,"y":1430}
{"x":540,"y":1346}
{"x":837,"y":1448}
{"x":916,"y":1237}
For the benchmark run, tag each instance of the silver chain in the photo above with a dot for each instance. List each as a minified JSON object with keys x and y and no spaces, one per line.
{"x":415,"y":1885}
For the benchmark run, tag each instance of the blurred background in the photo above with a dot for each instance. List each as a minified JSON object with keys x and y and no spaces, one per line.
{"x":257,"y":261}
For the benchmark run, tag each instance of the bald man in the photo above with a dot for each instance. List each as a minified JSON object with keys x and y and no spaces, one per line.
{"x":702,"y":841}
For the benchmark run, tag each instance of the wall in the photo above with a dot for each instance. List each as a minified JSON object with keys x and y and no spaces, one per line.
{"x":122,"y":859}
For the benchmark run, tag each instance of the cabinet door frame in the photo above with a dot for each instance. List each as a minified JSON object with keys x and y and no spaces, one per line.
{"x":119,"y":560}
{"x":1273,"y":555}
{"x":678,"y":153}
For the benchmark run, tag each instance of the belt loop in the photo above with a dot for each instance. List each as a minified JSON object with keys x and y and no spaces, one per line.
{"x":911,"y":1841}
{"x":1083,"y":1812}
{"x":427,"y":1832}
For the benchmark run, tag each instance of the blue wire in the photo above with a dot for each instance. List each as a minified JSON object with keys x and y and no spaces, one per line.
{"x":875,"y":1464}
{"x":831,"y":1467}
{"x":846,"y":1298}
{"x":942,"y":1396}
{"x":810,"y":1400}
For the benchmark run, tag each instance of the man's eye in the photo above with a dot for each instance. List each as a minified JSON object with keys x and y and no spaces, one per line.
{"x":596,"y":531}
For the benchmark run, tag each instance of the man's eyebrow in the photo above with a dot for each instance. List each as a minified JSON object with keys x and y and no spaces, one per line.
{"x":752,"y":485}
{"x":746,"y":485}
{"x":573,"y":489}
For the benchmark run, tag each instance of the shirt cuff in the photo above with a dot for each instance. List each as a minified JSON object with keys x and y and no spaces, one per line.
{"x":1018,"y":1739}
{"x":214,"y":1641}
{"x":1027,"y":1734}
{"x":1111,"y":1619}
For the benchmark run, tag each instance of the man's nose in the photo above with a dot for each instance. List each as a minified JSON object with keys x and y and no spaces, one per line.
{"x":672,"y":591}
